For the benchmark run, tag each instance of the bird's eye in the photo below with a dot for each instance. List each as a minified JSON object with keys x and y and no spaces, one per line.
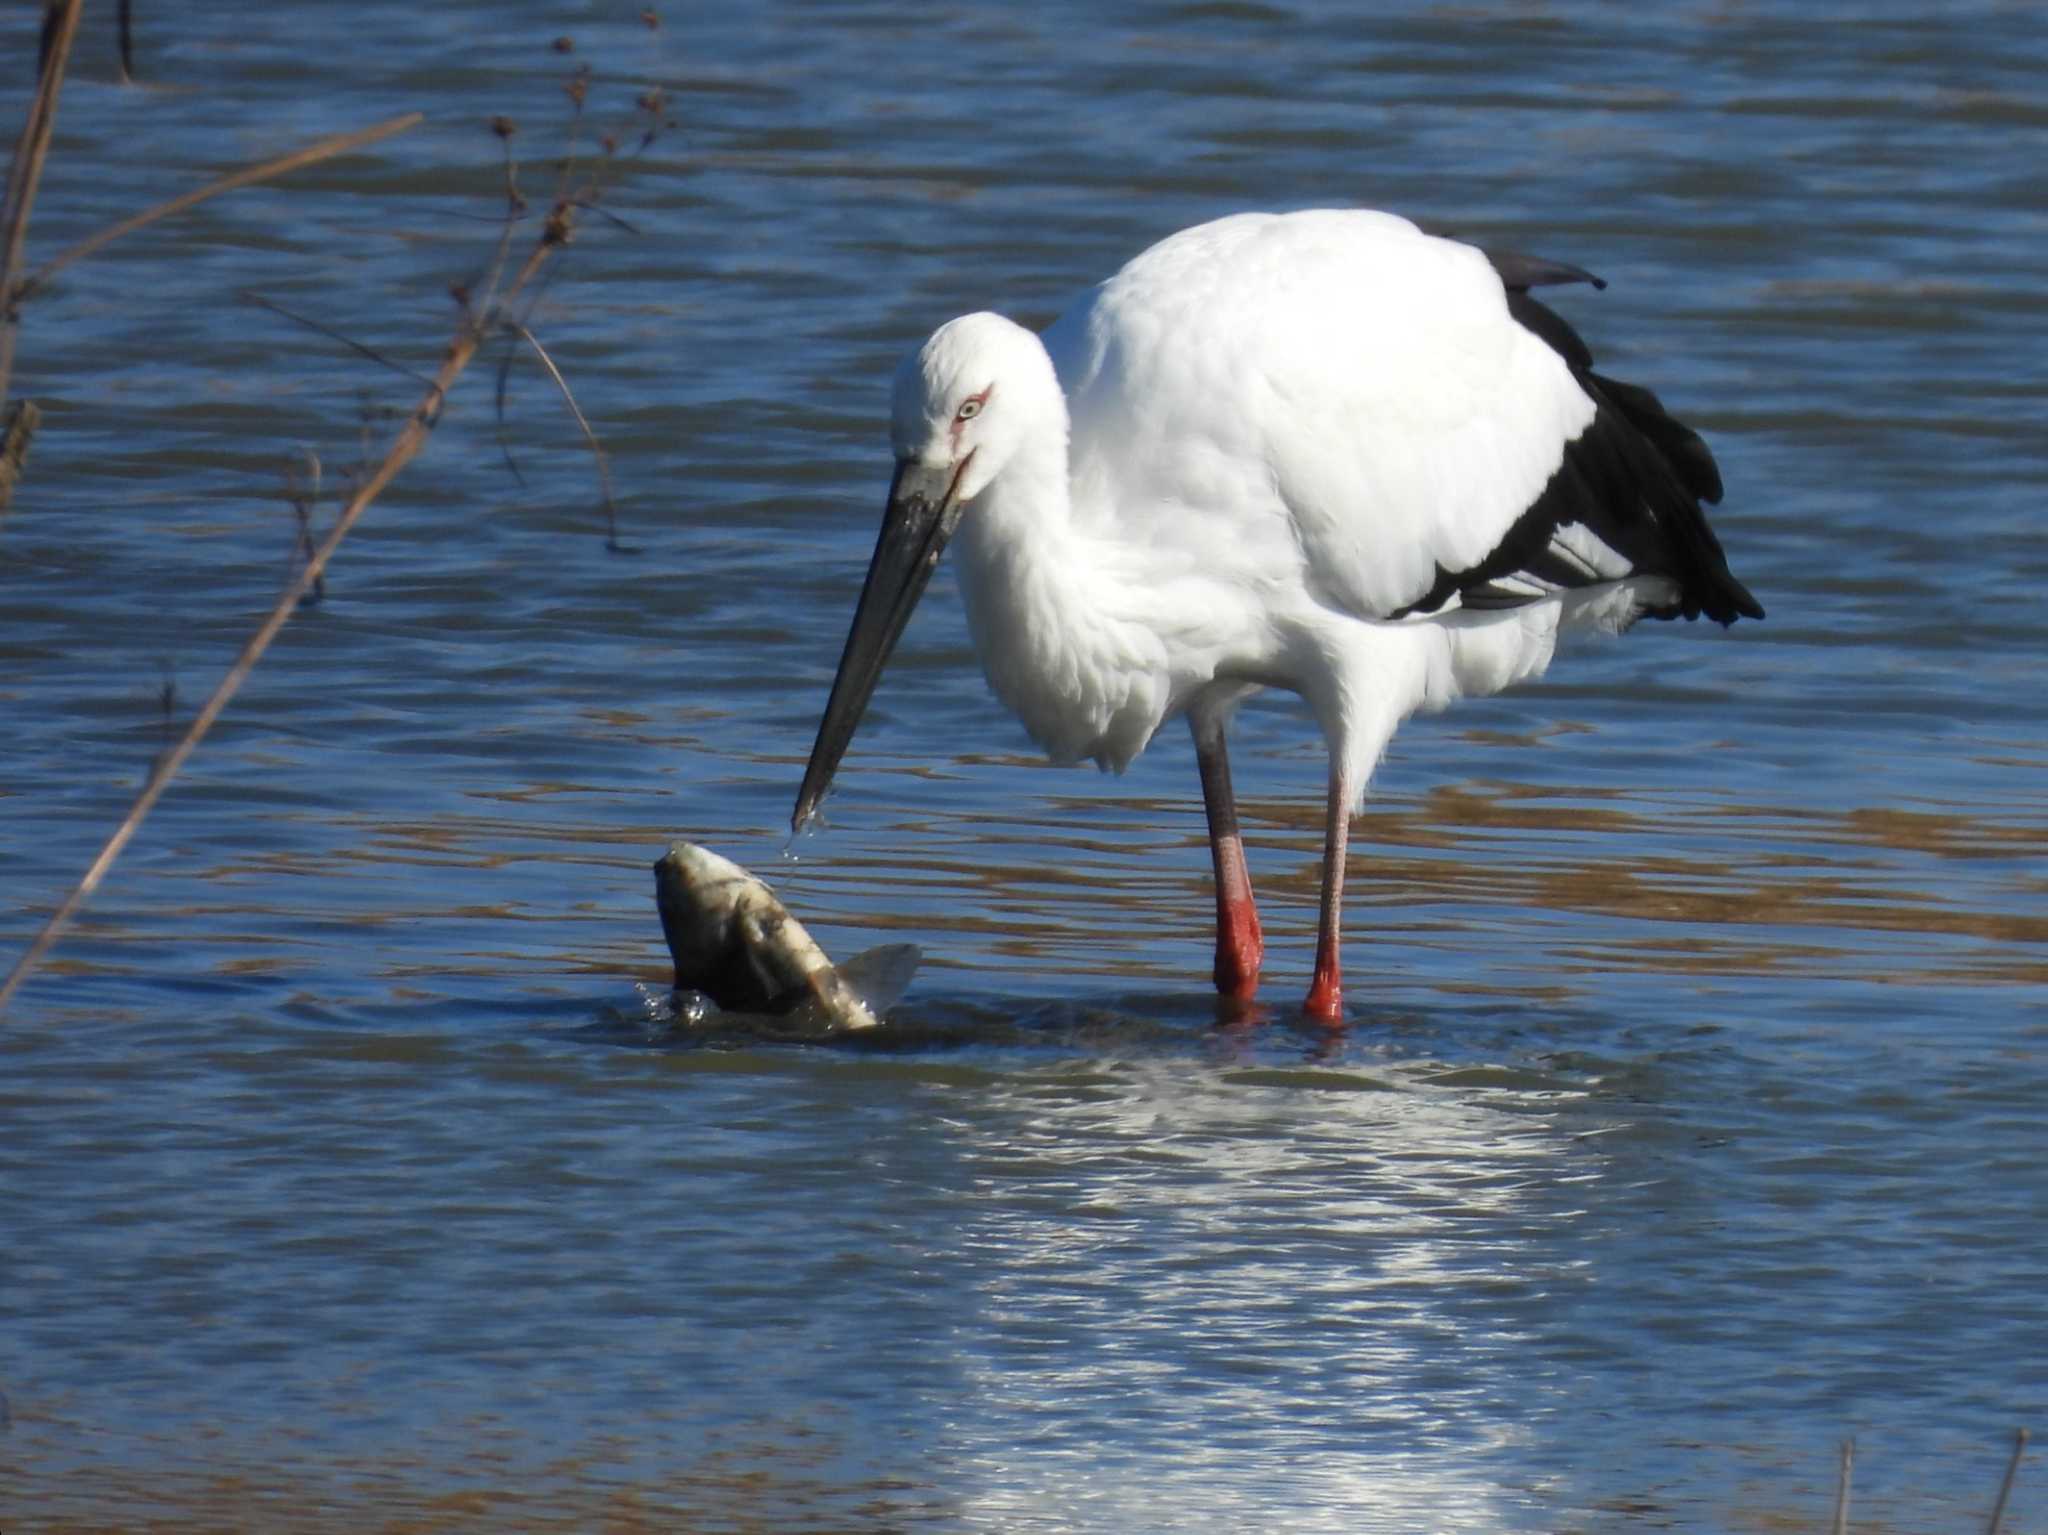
{"x":969,"y":409}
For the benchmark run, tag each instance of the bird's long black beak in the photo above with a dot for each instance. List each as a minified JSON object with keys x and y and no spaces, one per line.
{"x":923,"y":511}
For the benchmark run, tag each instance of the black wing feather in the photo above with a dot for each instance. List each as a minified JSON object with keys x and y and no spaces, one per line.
{"x":1550,"y":326}
{"x":1633,"y":480}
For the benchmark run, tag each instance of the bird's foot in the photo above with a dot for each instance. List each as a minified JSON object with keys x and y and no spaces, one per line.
{"x":1236,"y":979}
{"x":1325,"y":1001}
{"x":1240,"y":948}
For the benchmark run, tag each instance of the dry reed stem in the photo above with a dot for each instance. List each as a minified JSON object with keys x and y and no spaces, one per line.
{"x":125,"y":26}
{"x":1840,"y":1526}
{"x":2012,"y":1470}
{"x":410,"y":440}
{"x":258,"y":301}
{"x":25,"y":171}
{"x":17,"y":426}
{"x":322,"y":149}
{"x":604,"y":467}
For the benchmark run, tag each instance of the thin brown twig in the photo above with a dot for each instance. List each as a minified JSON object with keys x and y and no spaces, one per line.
{"x":2012,"y":1470}
{"x":311,"y":154}
{"x":515,"y":209}
{"x":25,"y":171}
{"x":654,"y":104}
{"x":589,"y":206}
{"x":52,"y":39}
{"x":260,"y":302}
{"x":532,"y":301}
{"x":578,"y":91}
{"x":411,"y":439}
{"x":604,"y":468}
{"x":18,"y":423}
{"x":304,"y":495}
{"x":124,"y":14}
{"x":167,"y":703}
{"x":505,"y":443}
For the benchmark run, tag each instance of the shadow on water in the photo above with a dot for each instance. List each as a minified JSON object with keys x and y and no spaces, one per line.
{"x":1136,"y":1024}
{"x":1539,"y":1051}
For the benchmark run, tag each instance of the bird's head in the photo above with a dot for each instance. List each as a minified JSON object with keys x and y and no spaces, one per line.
{"x":963,"y":403}
{"x":966,"y":400}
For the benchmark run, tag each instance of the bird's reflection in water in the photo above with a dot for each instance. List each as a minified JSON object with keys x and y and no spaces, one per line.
{"x":1203,"y":1254}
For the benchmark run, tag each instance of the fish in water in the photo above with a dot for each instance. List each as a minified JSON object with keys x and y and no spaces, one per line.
{"x":734,"y":941}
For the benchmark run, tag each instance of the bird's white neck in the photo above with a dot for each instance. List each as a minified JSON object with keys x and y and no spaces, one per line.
{"x":1044,"y":605}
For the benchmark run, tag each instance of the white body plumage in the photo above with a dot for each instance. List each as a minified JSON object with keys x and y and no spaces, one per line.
{"x":1264,"y":436}
{"x":1319,"y":451}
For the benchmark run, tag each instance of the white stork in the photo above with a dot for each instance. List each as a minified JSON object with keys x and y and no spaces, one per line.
{"x":1317,"y":451}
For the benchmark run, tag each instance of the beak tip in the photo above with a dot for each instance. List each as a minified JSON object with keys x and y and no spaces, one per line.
{"x":922,"y":512}
{"x":809,"y":809}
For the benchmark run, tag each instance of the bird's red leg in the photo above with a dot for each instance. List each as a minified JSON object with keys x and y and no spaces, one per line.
{"x":1325,"y":1001}
{"x":1239,"y":943}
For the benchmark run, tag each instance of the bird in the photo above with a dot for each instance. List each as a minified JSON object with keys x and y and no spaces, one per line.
{"x":1320,"y":451}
